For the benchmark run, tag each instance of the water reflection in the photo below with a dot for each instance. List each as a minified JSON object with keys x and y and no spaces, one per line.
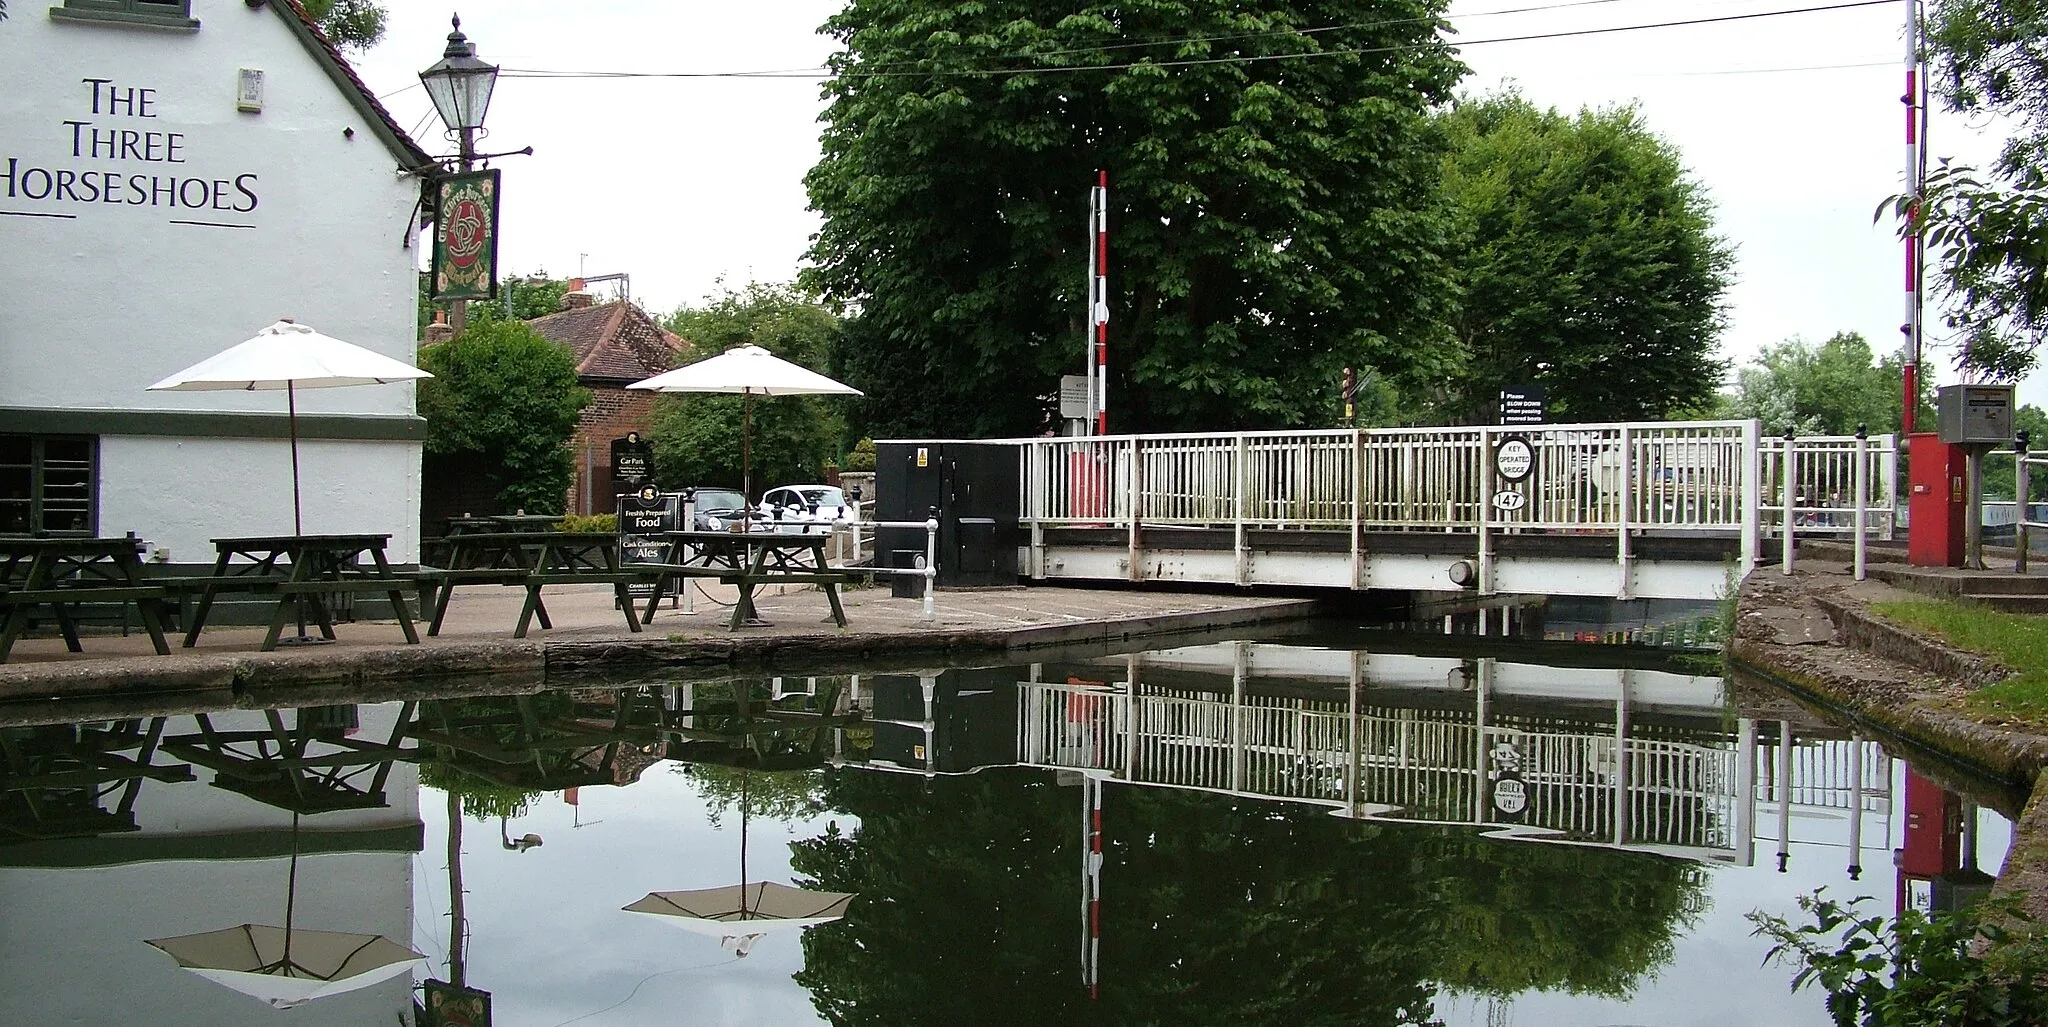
{"x":1243,"y":832}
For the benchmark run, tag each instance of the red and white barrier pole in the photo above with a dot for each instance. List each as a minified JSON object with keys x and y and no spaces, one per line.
{"x":1916,"y":170}
{"x":1098,"y":303}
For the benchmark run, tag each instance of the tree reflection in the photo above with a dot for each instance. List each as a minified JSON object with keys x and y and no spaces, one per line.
{"x":1214,"y":911}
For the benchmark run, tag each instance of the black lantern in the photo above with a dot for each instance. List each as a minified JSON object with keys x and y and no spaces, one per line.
{"x":460,"y":84}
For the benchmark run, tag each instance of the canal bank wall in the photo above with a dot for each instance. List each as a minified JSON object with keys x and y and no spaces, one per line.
{"x":1812,"y":634}
{"x":191,"y":682}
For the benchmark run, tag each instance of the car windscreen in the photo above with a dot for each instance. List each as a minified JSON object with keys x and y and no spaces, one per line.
{"x":719,"y":499}
{"x":823,"y":497}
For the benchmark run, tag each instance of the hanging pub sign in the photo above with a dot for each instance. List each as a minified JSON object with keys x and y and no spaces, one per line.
{"x":466,"y":236}
{"x":644,"y":519}
{"x":632,"y":462}
{"x":451,"y":1005}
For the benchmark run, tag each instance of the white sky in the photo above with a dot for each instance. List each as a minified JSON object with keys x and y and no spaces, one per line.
{"x":682,"y":182}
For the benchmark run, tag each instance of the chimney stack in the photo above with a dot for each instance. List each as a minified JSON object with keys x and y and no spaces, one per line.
{"x":577,"y":298}
{"x":439,"y":331}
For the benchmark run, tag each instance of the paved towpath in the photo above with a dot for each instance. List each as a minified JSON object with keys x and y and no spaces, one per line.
{"x":585,"y":614}
{"x":475,"y":648}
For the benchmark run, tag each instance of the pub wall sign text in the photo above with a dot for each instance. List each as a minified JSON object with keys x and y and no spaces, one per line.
{"x":119,"y":156}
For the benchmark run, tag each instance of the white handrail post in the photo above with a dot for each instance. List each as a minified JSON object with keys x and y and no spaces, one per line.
{"x":1785,"y":494}
{"x":1752,"y":495}
{"x":1888,"y":469}
{"x":1627,"y":503}
{"x":1485,"y":501}
{"x":1357,"y":489}
{"x":1862,"y":478}
{"x":2022,"y":481}
{"x":1242,"y":480}
{"x":1137,"y":500}
{"x":683,"y":584}
{"x":931,"y":566}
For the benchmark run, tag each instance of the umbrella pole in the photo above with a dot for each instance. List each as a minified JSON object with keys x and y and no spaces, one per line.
{"x":744,"y":776}
{"x":747,"y":456}
{"x":291,"y":896}
{"x":291,"y":405}
{"x":291,"y":402}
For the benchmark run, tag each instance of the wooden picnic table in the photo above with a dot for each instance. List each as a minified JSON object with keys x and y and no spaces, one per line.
{"x":301,"y":571}
{"x":748,"y":559}
{"x":62,"y":572}
{"x":532,"y":559}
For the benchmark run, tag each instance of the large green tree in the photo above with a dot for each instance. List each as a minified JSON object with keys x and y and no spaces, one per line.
{"x":352,"y":24}
{"x":1215,"y":910}
{"x":1987,"y":231}
{"x":1825,"y":388}
{"x":1273,"y":213}
{"x":1590,"y":266}
{"x":697,"y":437}
{"x":505,"y":399}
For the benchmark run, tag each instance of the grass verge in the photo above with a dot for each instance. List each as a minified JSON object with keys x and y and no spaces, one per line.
{"x":2017,"y":640}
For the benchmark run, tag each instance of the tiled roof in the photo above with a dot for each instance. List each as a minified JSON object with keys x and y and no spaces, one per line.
{"x":612,"y":342}
{"x":410,"y":155}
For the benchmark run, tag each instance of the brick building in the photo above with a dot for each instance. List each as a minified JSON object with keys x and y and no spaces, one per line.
{"x":615,"y":344}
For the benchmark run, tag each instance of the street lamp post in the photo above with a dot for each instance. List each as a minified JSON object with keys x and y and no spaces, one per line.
{"x":460,"y":86}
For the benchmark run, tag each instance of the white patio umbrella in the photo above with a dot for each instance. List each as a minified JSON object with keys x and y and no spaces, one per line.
{"x":748,"y":371}
{"x":291,"y":357}
{"x":740,"y":914}
{"x":286,"y":967}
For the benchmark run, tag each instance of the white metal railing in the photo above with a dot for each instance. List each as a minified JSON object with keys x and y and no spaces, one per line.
{"x":1824,"y":484}
{"x":2026,"y":464}
{"x":1689,"y":477}
{"x":1677,"y":474}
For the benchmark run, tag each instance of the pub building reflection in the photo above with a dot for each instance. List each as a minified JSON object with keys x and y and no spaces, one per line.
{"x":115,"y":831}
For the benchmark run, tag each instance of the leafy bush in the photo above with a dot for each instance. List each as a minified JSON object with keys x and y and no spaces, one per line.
{"x":507,"y":396}
{"x":1979,"y":967}
{"x":862,"y":458}
{"x":592,"y":524}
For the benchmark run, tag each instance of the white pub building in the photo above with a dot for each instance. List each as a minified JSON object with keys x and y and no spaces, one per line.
{"x":176,"y":175}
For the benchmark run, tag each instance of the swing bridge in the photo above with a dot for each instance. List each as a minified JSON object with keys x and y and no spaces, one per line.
{"x":1652,"y":510}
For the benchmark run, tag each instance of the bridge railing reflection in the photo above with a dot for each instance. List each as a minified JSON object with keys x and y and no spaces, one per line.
{"x":1577,"y":781}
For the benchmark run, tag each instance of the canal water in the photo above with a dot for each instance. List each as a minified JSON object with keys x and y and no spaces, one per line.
{"x":1344,"y":826}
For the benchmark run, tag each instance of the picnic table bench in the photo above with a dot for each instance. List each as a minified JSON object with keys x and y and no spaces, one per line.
{"x":531,"y":559}
{"x":748,"y":559}
{"x":62,"y":572}
{"x":300,"y":571}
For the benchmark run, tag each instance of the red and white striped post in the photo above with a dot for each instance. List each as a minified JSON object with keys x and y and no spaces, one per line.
{"x":1916,"y":174}
{"x":1098,"y":305}
{"x":1091,"y":884}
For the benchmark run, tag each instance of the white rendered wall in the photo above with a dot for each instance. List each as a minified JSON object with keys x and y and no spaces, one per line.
{"x":180,"y":492}
{"x":105,"y":298}
{"x":109,"y":301}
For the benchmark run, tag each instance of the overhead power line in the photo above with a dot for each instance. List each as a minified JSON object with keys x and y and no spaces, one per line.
{"x":827,"y":73}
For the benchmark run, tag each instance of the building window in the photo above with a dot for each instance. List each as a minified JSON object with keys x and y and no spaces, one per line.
{"x":49,"y":485}
{"x":176,"y":14}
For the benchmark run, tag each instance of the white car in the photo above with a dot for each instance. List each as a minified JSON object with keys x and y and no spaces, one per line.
{"x":804,"y":508}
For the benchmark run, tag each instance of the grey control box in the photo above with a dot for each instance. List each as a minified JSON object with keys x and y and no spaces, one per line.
{"x":1974,"y":414}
